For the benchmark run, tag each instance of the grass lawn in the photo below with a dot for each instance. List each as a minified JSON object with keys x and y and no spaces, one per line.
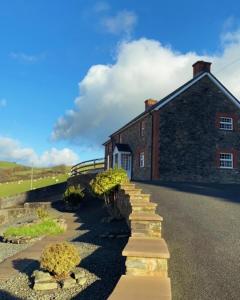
{"x":44,"y":227}
{"x":13,"y":188}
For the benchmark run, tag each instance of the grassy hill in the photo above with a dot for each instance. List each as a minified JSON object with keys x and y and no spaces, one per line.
{"x":16,"y":178}
{"x":8,"y":164}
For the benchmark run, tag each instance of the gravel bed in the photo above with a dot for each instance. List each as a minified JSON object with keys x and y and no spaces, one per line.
{"x":100,"y":249}
{"x":7,"y":249}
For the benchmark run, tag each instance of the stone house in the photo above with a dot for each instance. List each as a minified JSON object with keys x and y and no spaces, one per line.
{"x":193,"y":134}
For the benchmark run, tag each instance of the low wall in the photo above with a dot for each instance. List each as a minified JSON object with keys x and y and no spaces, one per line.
{"x":146,"y":251}
{"x":29,"y":209}
{"x":47,"y":194}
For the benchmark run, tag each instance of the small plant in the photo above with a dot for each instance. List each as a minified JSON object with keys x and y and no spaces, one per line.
{"x":73,"y":195}
{"x":60,"y":259}
{"x":42,"y":213}
{"x":104,"y":183}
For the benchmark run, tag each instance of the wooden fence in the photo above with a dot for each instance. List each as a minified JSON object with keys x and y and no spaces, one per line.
{"x":89,"y":166}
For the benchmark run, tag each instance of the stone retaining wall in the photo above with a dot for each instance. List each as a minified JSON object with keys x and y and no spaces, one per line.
{"x":146,"y":251}
{"x":44,"y":194}
{"x":29,"y":209}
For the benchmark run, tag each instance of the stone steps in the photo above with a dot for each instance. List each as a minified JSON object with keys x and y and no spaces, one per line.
{"x":142,"y":206}
{"x":142,"y":288}
{"x":145,"y":225}
{"x":146,"y":257}
{"x":131,"y":192}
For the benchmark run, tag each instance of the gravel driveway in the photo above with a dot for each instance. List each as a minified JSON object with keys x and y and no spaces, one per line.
{"x":202,"y":228}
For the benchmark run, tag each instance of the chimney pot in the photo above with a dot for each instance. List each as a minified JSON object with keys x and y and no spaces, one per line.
{"x":200,"y":67}
{"x":149,"y":102}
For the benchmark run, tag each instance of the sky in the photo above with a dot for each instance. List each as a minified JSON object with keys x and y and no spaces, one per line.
{"x":72,"y":72}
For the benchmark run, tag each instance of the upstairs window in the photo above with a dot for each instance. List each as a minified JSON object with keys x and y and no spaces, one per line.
{"x":142,"y":128}
{"x":226,"y":123}
{"x":141,"y":159}
{"x":226,"y":160}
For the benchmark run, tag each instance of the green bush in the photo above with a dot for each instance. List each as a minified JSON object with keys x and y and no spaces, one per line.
{"x":45,"y":227}
{"x":60,"y":259}
{"x":105,"y":182}
{"x":73,"y":195}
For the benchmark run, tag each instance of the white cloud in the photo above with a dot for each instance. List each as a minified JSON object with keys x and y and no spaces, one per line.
{"x":3,"y":103}
{"x":101,"y":6}
{"x":12,"y":150}
{"x":27,"y":58}
{"x":123,"y":22}
{"x":111,"y":95}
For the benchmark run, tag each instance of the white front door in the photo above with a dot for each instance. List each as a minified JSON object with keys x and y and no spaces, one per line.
{"x":126,"y":163}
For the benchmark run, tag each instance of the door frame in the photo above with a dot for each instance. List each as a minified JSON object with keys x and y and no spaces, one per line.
{"x":119,"y":159}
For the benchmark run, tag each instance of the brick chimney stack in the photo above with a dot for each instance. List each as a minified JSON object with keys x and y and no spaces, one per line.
{"x":149,"y":103}
{"x":200,"y":67}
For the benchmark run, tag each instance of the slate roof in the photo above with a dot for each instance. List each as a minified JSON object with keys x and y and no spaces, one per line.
{"x":123,"y":148}
{"x":172,"y":95}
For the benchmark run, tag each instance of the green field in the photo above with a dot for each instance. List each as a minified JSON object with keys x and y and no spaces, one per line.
{"x":16,"y":178}
{"x":12,"y":188}
{"x":7,"y":165}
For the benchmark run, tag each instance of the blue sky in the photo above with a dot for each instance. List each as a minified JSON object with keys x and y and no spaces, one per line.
{"x":71,"y":72}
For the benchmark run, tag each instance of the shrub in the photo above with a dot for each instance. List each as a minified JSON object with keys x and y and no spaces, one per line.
{"x":104,"y":183}
{"x":45,"y":227}
{"x":42,"y":213}
{"x":73,"y":195}
{"x":60,"y":259}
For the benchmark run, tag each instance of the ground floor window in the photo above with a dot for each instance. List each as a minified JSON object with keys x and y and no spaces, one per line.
{"x":226,"y":160}
{"x":141,"y":160}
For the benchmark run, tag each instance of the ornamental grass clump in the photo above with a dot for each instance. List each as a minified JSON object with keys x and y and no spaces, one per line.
{"x":42,"y":213}
{"x":73,"y":195}
{"x":60,"y":259}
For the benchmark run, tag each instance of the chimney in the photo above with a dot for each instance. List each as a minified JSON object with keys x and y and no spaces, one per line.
{"x":149,"y":102}
{"x":200,"y":67}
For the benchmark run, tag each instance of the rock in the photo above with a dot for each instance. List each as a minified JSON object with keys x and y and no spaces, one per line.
{"x":82,"y":281}
{"x":44,"y":286}
{"x":41,"y":276}
{"x":68,"y":283}
{"x":79,"y":273}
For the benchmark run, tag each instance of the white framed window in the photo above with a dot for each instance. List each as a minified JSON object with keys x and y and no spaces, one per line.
{"x":226,"y":160}
{"x":141,"y":160}
{"x":226,"y":123}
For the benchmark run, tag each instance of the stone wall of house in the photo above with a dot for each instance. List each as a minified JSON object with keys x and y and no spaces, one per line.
{"x":138,"y":144}
{"x":190,"y":138}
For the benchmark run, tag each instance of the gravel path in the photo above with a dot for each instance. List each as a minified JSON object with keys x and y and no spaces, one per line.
{"x":201,"y":225}
{"x":101,"y":260}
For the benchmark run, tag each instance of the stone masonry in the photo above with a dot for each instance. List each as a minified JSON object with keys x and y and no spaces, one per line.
{"x":146,"y":251}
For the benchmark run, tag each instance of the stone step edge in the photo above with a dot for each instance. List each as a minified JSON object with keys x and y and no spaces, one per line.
{"x":146,"y":248}
{"x":142,"y":203}
{"x":131,"y":287}
{"x":141,"y":216}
